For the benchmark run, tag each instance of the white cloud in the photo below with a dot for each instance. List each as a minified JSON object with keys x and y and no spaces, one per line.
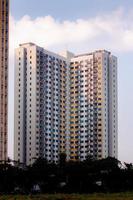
{"x":112,"y":31}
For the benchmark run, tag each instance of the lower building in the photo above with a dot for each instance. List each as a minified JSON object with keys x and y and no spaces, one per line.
{"x":93,"y":106}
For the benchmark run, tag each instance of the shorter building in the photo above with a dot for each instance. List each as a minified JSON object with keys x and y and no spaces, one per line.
{"x":93,"y":106}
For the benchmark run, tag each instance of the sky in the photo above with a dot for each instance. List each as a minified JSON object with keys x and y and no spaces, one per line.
{"x":79,"y":26}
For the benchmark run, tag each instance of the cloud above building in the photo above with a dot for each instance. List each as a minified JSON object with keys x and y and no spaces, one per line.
{"x":113,"y":31}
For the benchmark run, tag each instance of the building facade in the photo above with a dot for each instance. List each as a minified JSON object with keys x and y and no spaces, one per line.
{"x":93,"y":106}
{"x":4,"y":23}
{"x":64,"y":104}
{"x":39,"y":104}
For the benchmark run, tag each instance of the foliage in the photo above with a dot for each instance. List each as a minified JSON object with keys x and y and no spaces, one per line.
{"x":90,"y":176}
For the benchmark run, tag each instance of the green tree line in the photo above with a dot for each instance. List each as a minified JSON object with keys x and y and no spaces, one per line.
{"x":89,"y":176}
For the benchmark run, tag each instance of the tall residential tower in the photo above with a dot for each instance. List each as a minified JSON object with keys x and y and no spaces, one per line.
{"x":93,"y":105}
{"x":4,"y":20}
{"x":40,"y":103}
{"x":64,"y":104}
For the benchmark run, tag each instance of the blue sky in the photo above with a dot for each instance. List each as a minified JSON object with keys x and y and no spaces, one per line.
{"x":103,"y":24}
{"x":66,"y":9}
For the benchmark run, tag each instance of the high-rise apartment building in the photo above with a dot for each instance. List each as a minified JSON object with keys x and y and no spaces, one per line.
{"x":40,"y":99}
{"x":93,"y":105}
{"x":4,"y":20}
{"x":64,"y":104}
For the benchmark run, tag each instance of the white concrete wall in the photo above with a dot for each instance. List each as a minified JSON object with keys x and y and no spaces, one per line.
{"x":19,"y":106}
{"x":113,"y":108}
